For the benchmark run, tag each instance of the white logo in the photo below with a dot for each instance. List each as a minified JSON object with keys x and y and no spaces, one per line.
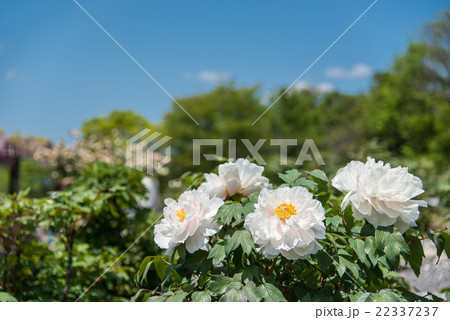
{"x":141,"y":151}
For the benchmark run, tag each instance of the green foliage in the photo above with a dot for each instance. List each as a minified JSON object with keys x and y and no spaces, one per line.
{"x":357,"y":262}
{"x":84,"y":229}
{"x":217,"y":113}
{"x":126,"y":122}
{"x":6,"y":297}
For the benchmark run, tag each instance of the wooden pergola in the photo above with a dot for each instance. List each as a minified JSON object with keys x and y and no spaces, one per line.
{"x":10,"y":155}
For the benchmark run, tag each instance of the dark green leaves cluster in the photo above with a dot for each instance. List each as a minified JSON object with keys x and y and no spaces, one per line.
{"x":355,"y":264}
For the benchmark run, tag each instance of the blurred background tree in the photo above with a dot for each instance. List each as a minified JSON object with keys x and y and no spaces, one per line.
{"x":125,"y":123}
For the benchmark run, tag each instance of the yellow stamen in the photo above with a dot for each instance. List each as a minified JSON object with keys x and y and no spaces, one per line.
{"x":285,"y":210}
{"x":181,"y":214}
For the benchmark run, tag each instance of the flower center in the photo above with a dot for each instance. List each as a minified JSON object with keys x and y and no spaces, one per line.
{"x":181,"y":215}
{"x":285,"y":210}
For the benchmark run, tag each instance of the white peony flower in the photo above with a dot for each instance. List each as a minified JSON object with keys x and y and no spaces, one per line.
{"x":287,"y":221}
{"x":240,"y":177}
{"x":380,"y":194}
{"x":188,"y":220}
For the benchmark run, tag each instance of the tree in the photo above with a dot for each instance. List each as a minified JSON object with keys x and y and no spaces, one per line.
{"x":437,"y":37}
{"x":126,"y":122}
{"x":224,"y":113}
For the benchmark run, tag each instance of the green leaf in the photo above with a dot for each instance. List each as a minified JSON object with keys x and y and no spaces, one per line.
{"x":161,"y":267}
{"x":385,"y":295}
{"x":439,"y":242}
{"x":244,"y":239}
{"x":349,"y":219}
{"x":177,"y":297}
{"x":358,"y":246}
{"x":217,"y":253}
{"x":306,"y":183}
{"x":252,"y":292}
{"x":132,"y":299}
{"x":319,"y":174}
{"x":381,"y":237}
{"x":219,"y":284}
{"x":362,"y":297}
{"x":254,"y":197}
{"x":367,"y":230}
{"x":446,"y":237}
{"x":324,"y":260}
{"x":141,"y":275}
{"x":228,"y":212}
{"x":388,"y":295}
{"x":290,"y":176}
{"x":248,"y":208}
{"x":416,"y":255}
{"x":392,"y":254}
{"x":344,"y":263}
{"x":390,"y":242}
{"x":201,"y":296}
{"x":270,"y":293}
{"x":397,"y":238}
{"x":6,"y":297}
{"x":156,"y":299}
{"x":334,"y":220}
{"x":234,"y":295}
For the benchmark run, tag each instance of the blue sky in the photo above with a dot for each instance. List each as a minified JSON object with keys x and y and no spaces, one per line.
{"x":57,"y":68}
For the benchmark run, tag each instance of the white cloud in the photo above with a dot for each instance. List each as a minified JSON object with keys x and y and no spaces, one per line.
{"x":301,"y":85}
{"x":321,"y":86}
{"x":325,"y":87}
{"x":358,"y":71}
{"x":208,"y":76}
{"x":12,"y":75}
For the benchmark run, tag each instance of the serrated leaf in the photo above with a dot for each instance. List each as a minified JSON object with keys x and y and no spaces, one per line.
{"x":358,"y":246}
{"x":290,"y":176}
{"x":228,"y":212}
{"x":240,"y":238}
{"x":334,"y":220}
{"x":217,"y":253}
{"x":219,"y":284}
{"x":344,"y":264}
{"x":244,"y":238}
